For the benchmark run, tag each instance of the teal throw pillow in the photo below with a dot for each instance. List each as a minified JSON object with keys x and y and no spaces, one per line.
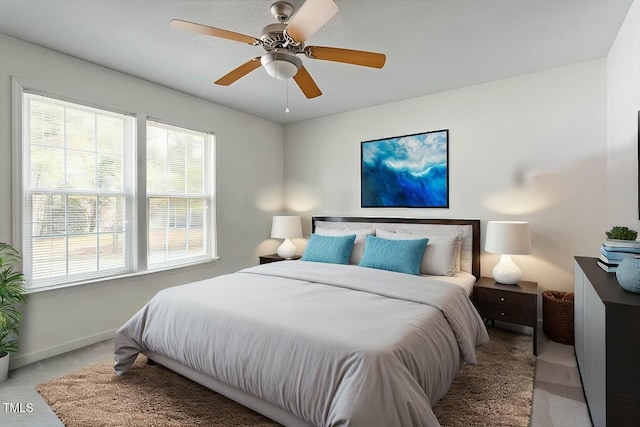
{"x":403,"y":256}
{"x":330,"y":249}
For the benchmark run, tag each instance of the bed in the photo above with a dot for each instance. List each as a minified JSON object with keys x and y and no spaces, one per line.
{"x":313,"y":343}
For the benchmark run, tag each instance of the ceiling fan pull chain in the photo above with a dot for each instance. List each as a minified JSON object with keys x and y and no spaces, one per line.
{"x":286,"y":109}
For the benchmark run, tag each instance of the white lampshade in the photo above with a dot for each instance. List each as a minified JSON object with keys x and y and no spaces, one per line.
{"x":508,"y":238}
{"x":281,"y":64}
{"x":286,"y":227}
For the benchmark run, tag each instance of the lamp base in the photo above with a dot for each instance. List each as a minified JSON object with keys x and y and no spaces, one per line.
{"x":287,"y":249}
{"x":506,"y":272}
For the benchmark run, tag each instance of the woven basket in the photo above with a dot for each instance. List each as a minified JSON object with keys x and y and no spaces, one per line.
{"x":557,"y":316}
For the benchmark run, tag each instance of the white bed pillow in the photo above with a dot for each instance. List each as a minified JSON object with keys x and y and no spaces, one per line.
{"x":358,"y":244}
{"x":440,"y":256}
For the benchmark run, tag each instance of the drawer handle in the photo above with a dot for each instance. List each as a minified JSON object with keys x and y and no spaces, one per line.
{"x":501,"y":314}
{"x":501,"y":298}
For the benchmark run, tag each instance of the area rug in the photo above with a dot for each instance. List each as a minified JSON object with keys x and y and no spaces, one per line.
{"x":498,"y":390}
{"x":495,"y":392}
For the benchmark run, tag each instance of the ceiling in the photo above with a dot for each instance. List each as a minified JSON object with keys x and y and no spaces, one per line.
{"x":431,"y":45}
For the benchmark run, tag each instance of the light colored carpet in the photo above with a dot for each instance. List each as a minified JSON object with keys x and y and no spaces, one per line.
{"x":495,"y":392}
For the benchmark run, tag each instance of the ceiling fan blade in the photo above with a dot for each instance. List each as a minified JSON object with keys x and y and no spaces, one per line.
{"x":312,"y":15}
{"x":239,"y":72}
{"x":348,"y":56}
{"x":212,"y":31}
{"x":306,"y":84}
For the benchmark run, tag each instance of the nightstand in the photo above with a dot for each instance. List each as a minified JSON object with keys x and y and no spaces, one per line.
{"x":265,"y":259}
{"x":508,"y":303}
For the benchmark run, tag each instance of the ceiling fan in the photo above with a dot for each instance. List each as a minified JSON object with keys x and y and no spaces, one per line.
{"x":284,"y":40}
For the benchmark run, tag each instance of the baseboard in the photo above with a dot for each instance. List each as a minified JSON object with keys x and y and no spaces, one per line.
{"x":25,"y":359}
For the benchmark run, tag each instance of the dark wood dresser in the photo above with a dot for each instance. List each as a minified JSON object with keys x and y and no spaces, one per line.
{"x":607,"y":343}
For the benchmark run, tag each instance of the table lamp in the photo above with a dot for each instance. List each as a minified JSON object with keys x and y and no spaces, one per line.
{"x":286,"y":227}
{"x":508,"y":238}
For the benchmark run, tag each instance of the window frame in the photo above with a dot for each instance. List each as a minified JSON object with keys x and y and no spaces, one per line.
{"x":137,"y":215}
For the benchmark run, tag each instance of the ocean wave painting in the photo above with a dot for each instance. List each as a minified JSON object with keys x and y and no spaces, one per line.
{"x":408,"y":171}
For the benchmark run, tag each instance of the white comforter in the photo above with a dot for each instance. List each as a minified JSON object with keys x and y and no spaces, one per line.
{"x":335,"y":345}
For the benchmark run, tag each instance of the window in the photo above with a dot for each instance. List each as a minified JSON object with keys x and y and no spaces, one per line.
{"x":177,"y":193}
{"x":80,"y":198}
{"x":77,"y":192}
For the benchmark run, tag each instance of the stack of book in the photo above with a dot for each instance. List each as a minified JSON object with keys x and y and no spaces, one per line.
{"x":612,"y":252}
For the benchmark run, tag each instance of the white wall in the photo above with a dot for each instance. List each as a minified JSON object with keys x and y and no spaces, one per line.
{"x":529,"y":148}
{"x":249,"y":185}
{"x":623,"y":104}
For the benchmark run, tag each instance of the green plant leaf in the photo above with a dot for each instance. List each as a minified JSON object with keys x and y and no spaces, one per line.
{"x":621,"y":233}
{"x":11,"y":293}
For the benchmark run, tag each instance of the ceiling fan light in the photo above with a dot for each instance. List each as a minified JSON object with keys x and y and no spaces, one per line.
{"x":281,"y":65}
{"x":281,"y":70}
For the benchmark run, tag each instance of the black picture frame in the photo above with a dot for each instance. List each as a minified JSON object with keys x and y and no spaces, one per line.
{"x":408,"y":171}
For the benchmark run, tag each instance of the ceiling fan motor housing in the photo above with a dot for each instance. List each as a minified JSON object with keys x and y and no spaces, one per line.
{"x":272,"y":37}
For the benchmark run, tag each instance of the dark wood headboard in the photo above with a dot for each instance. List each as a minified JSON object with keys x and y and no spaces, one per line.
{"x":474,"y":223}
